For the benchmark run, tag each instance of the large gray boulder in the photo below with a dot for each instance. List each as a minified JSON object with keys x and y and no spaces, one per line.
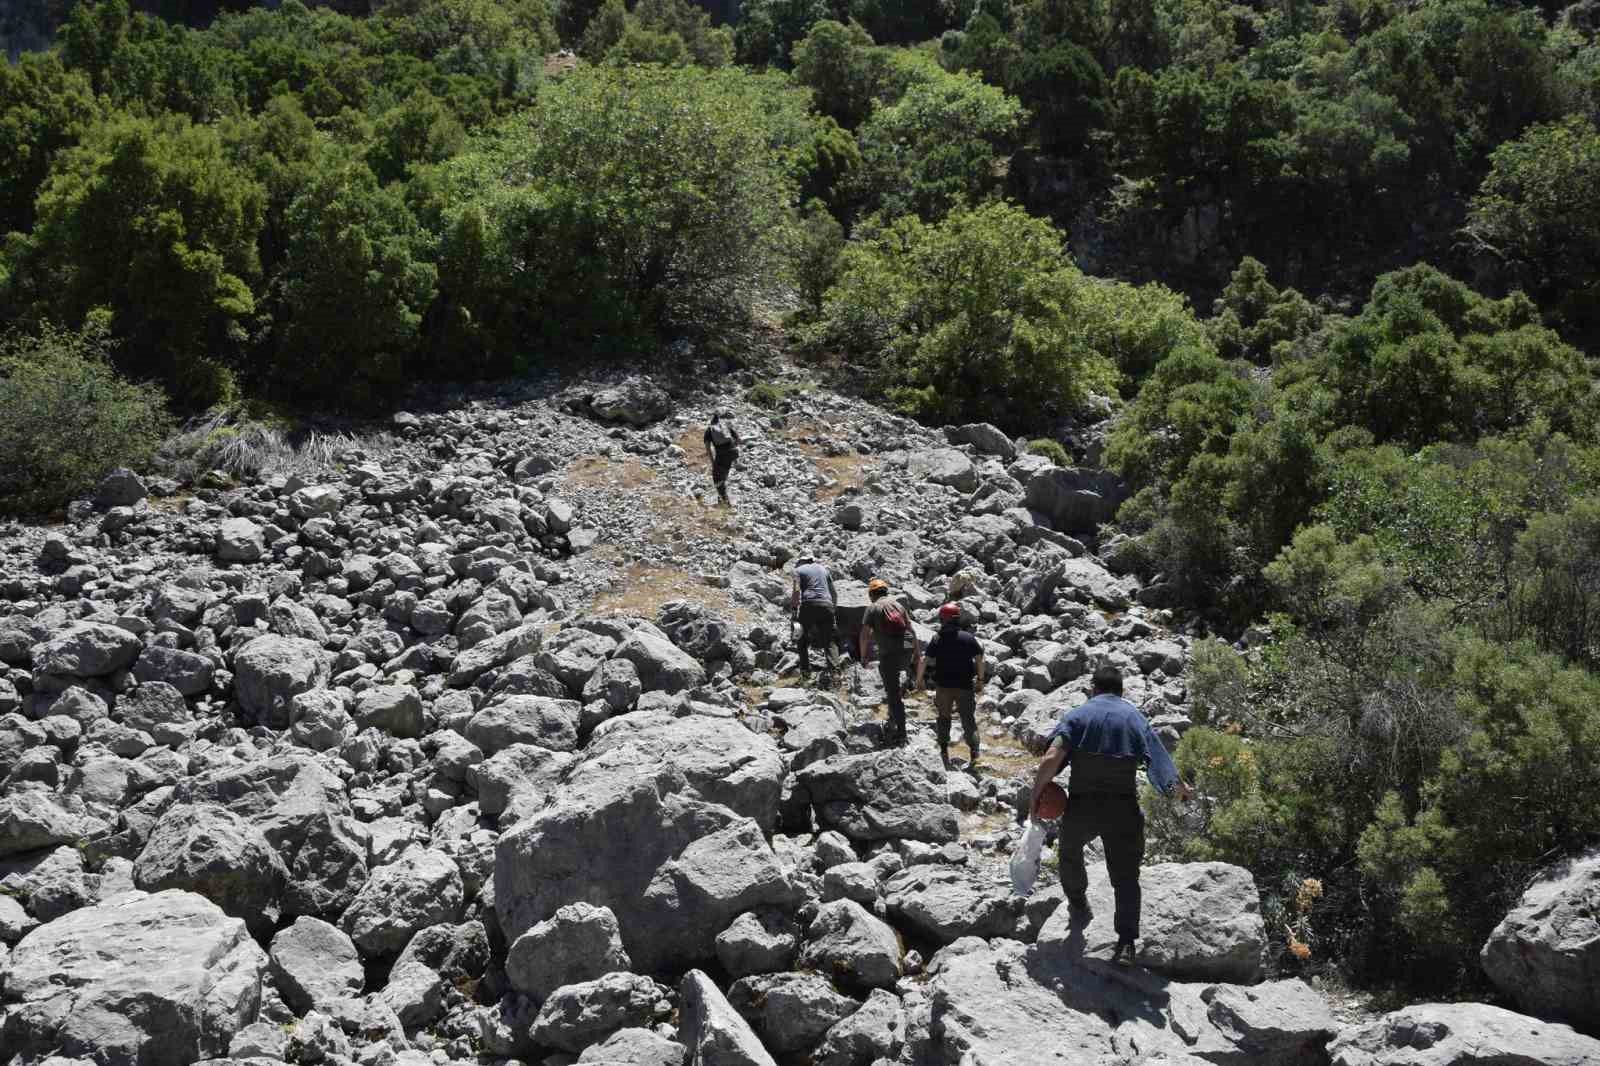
{"x":578,"y":943}
{"x":715,"y":1033}
{"x":662,"y":665}
{"x":395,"y":709}
{"x":137,"y":980}
{"x":1461,"y":1034}
{"x":636,"y":401}
{"x":87,"y":649}
{"x":1200,"y":921}
{"x":857,"y":949}
{"x":875,"y":1031}
{"x":762,"y":941}
{"x":986,"y":438}
{"x":302,"y":809}
{"x":945,"y":903}
{"x":1545,"y":954}
{"x":32,"y":820}
{"x":537,"y":720}
{"x":572,"y":656}
{"x":1074,"y":499}
{"x":315,"y":965}
{"x":1285,"y":1022}
{"x":578,"y":1015}
{"x":421,"y":888}
{"x":943,"y":466}
{"x":791,"y":1011}
{"x":240,"y":540}
{"x":898,"y":793}
{"x":498,"y":650}
{"x":518,"y":779}
{"x":632,"y":830}
{"x":210,"y":850}
{"x":635,"y":1047}
{"x":270,"y":671}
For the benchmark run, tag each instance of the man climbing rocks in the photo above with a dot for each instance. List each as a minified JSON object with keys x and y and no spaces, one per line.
{"x":957,"y":676}
{"x":813,"y":601}
{"x":1105,"y":740}
{"x":890,"y":625}
{"x":722,"y":448}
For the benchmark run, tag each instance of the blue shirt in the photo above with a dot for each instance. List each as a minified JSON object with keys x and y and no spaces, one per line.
{"x":1111,"y":727}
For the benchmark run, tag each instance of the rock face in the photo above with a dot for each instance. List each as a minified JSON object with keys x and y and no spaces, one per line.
{"x":712,"y":1030}
{"x":852,"y":946}
{"x":420,"y":888}
{"x":1456,"y":1034}
{"x":1199,"y":921}
{"x":271,"y":671}
{"x":881,"y":795}
{"x":139,"y":980}
{"x":314,"y":965}
{"x":578,"y":1015}
{"x":1546,"y":953}
{"x":211,"y":851}
{"x":578,"y":943}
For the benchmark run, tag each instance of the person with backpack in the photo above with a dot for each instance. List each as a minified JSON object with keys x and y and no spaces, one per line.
{"x":813,"y":601}
{"x":957,"y":676}
{"x":722,"y":448}
{"x":898,"y":648}
{"x":1105,"y":740}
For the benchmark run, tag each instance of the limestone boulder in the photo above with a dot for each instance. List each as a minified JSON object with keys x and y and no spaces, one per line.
{"x":662,"y":665}
{"x":270,"y":671}
{"x":315,"y":965}
{"x":578,"y":1015}
{"x":87,"y":649}
{"x":137,"y":980}
{"x":209,"y":850}
{"x":715,"y":1033}
{"x":1545,"y":954}
{"x":420,"y":888}
{"x":578,"y":943}
{"x":898,"y":793}
{"x":1461,"y":1034}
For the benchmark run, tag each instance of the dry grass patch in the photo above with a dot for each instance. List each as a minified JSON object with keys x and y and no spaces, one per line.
{"x":640,"y":589}
{"x":843,"y":473}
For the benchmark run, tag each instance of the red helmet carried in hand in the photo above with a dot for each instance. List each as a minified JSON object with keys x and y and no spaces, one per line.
{"x":950,"y":612}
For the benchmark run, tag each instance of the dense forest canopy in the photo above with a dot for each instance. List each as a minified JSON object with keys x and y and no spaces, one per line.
{"x":1333,"y":265}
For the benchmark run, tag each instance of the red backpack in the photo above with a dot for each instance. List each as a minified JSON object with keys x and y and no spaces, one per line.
{"x":895,"y":622}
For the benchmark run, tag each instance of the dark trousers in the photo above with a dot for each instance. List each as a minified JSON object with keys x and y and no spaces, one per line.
{"x":890,"y":666}
{"x":1119,"y":823}
{"x":816,"y":620}
{"x":964,"y":701}
{"x":722,"y":462}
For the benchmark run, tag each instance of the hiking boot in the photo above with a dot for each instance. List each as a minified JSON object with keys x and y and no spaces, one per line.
{"x":1123,"y":954}
{"x":944,"y":757}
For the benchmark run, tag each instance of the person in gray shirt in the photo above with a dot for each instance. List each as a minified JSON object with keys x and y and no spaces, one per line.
{"x":813,"y":602}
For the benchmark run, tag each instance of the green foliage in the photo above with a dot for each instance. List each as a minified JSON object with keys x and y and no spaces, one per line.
{"x":630,"y":199}
{"x":965,"y":319}
{"x":70,"y":418}
{"x":1050,"y":449}
{"x":43,"y":109}
{"x":819,"y":242}
{"x":940,"y":144}
{"x":768,"y":29}
{"x":1065,"y":89}
{"x":420,"y":130}
{"x":148,"y":218}
{"x":843,"y":70}
{"x":1538,"y":213}
{"x":350,"y":297}
{"x":1254,"y":320}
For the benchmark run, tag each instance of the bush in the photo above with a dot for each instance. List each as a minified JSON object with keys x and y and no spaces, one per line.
{"x":968,"y":319}
{"x":1050,"y":449}
{"x":70,"y":418}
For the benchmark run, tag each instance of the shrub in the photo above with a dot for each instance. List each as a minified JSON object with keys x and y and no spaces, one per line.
{"x":1050,"y":449}
{"x":69,"y":417}
{"x":967,"y":319}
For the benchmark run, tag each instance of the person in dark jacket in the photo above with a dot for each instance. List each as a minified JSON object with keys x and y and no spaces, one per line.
{"x":889,"y":624}
{"x":814,"y":601}
{"x":957,"y":676}
{"x":722,"y":448}
{"x":1105,"y":741}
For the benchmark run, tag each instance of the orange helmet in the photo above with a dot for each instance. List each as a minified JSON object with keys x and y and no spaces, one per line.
{"x":877,"y":585}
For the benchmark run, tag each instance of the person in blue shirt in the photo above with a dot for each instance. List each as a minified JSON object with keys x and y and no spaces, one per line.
{"x":1105,"y":741}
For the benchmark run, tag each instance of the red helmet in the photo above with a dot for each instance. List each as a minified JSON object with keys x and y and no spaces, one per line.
{"x":950,"y":612}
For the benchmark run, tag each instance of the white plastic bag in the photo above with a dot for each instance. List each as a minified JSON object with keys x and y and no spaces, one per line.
{"x":1025,"y":860}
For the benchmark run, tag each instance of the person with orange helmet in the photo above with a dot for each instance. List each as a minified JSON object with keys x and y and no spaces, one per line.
{"x":957,"y":676}
{"x":887,"y":620}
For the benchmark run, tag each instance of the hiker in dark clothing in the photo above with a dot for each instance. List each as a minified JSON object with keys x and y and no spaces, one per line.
{"x":813,"y":602}
{"x":957,"y":676}
{"x":890,"y":625}
{"x":722,"y":448}
{"x":1105,"y":740}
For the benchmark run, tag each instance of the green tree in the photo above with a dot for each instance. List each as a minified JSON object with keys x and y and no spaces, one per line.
{"x":70,"y":417}
{"x":843,"y":70}
{"x":420,"y":130}
{"x":768,"y":29}
{"x":1537,"y":215}
{"x":1066,"y":91}
{"x":147,"y":217}
{"x":967,"y":318}
{"x":43,"y":109}
{"x":941,"y":143}
{"x":354,"y":285}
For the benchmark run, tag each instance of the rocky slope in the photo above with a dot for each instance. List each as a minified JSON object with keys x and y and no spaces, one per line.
{"x":482,"y":744}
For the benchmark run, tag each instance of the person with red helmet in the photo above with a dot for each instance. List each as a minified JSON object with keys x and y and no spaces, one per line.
{"x":957,"y":676}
